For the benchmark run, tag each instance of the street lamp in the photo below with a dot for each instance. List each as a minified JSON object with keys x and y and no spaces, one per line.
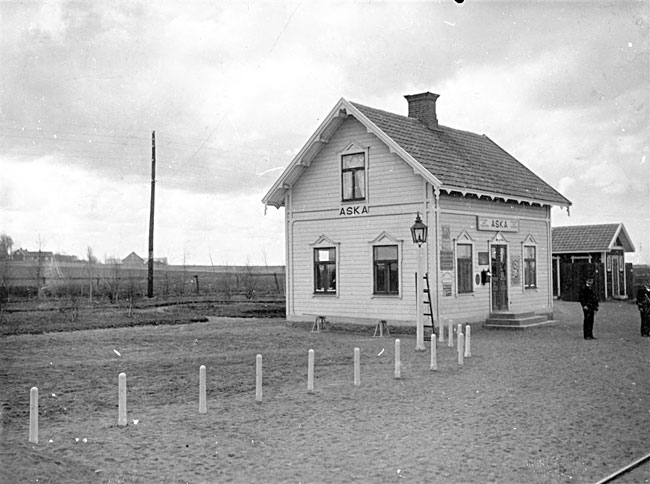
{"x":419,"y":234}
{"x":419,"y":231}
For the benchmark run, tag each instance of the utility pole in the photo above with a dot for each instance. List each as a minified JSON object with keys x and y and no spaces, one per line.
{"x":151,"y":212}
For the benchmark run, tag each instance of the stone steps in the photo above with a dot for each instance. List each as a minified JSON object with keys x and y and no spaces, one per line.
{"x":516,"y":320}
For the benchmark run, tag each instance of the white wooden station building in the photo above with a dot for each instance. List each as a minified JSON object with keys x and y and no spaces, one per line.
{"x":355,"y":189}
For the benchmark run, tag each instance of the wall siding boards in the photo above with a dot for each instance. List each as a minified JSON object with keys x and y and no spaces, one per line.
{"x":394,"y":195}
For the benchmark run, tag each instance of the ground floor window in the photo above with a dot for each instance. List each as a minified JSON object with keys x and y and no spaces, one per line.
{"x":464,"y":267}
{"x":530,"y":266}
{"x":325,"y":270}
{"x":386,"y":269}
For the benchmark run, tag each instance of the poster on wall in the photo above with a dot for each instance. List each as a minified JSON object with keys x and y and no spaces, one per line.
{"x":447,"y":282}
{"x":445,"y":237}
{"x":446,"y":260}
{"x":515,"y":270}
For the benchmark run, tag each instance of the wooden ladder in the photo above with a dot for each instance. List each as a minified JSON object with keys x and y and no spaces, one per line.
{"x":427,"y":301}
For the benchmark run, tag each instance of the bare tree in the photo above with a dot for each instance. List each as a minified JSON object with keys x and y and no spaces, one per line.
{"x":6,"y":247}
{"x":92,"y":260}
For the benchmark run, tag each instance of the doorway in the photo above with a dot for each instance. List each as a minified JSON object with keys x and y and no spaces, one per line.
{"x":499,"y":281}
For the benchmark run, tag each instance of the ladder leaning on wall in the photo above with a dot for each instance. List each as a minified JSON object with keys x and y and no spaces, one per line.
{"x":429,"y":304}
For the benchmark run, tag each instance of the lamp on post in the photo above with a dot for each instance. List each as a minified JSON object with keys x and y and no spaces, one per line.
{"x":419,"y":233}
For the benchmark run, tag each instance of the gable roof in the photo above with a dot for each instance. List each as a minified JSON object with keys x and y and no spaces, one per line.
{"x":590,"y":238}
{"x":451,"y":160}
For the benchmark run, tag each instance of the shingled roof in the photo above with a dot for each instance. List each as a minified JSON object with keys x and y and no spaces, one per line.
{"x":464,"y":161}
{"x":450,"y":159}
{"x":590,"y":238}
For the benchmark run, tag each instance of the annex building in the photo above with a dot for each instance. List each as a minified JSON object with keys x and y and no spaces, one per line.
{"x":355,"y":189}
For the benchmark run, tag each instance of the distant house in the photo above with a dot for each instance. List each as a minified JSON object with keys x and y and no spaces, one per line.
{"x":590,"y":250}
{"x":133,"y":260}
{"x":352,"y":193}
{"x":24,"y":255}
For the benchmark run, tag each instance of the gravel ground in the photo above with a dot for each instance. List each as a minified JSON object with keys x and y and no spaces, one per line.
{"x":539,"y":405}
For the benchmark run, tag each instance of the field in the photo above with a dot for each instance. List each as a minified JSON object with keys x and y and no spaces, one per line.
{"x":536,"y":406}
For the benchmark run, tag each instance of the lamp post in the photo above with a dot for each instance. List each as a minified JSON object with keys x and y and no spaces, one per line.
{"x":419,"y":234}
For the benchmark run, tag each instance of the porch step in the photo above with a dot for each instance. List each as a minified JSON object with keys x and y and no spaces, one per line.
{"x":516,"y":320}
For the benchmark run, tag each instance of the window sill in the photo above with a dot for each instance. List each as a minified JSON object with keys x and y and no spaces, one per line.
{"x":324,"y":294}
{"x":386,"y":296}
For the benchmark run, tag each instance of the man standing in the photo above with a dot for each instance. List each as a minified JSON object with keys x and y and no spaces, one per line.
{"x":589,"y":302}
{"x":643,"y":302}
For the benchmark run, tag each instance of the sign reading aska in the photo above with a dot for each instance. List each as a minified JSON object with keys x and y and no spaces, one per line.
{"x":498,"y":224}
{"x":353,"y":210}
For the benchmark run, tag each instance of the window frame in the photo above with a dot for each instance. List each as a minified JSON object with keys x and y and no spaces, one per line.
{"x":387,"y":271}
{"x":351,"y":150}
{"x":325,"y":243}
{"x":468,"y":287}
{"x":526,"y":262}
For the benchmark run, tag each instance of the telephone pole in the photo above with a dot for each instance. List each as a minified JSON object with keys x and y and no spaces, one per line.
{"x":151,"y":211}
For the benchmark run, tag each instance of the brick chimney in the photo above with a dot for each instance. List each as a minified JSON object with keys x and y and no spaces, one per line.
{"x":423,"y":107}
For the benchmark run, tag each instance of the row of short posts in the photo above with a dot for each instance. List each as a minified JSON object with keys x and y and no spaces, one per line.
{"x":463,"y":348}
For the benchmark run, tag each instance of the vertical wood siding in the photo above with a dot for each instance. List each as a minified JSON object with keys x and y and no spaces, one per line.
{"x":393,"y":197}
{"x":460,"y":214}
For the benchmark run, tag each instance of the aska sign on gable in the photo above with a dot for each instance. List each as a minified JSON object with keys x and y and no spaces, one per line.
{"x":498,"y":224}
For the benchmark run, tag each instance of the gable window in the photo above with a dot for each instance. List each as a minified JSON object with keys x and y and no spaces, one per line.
{"x":530,"y":266}
{"x":353,"y":176}
{"x":325,"y":270}
{"x":464,"y":267}
{"x":385,"y":263}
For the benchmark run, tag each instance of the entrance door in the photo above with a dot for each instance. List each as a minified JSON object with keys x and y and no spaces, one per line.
{"x":499,"y":277}
{"x":616,"y":282}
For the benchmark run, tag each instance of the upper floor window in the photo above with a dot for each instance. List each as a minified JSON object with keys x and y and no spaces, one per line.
{"x":464,"y":267}
{"x":386,"y":269}
{"x":353,"y":175}
{"x":325,"y":270}
{"x":530,"y":266}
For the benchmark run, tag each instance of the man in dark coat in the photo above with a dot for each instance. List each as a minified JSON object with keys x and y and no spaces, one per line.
{"x":589,"y":302}
{"x":643,"y":302}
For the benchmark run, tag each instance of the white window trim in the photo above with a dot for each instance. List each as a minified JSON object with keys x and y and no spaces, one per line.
{"x":463,"y":239}
{"x":351,"y":149}
{"x":385,"y":239}
{"x":529,"y":241}
{"x":324,"y":242}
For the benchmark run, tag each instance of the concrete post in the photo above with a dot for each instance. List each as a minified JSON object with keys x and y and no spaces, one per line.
{"x":258,"y":379}
{"x":468,"y":341}
{"x":310,"y":372}
{"x":461,"y":351}
{"x":398,"y":363}
{"x":450,"y":333}
{"x":203,"y":407}
{"x":121,"y":412}
{"x":441,"y":326}
{"x":434,"y":356}
{"x":357,"y":367}
{"x":33,"y":415}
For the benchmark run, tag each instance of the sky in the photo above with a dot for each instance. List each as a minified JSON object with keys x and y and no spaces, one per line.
{"x":234,"y":89}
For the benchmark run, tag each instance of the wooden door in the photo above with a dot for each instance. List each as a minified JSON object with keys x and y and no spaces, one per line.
{"x":499,"y":277}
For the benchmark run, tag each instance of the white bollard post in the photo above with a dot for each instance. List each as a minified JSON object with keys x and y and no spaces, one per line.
{"x":434,"y":356}
{"x":441,"y":326}
{"x":461,"y":351}
{"x":398,"y":363}
{"x":468,"y":344}
{"x":33,"y":415}
{"x":450,"y":333}
{"x":203,"y":406}
{"x":357,"y":367}
{"x":121,"y":412}
{"x":258,"y":379}
{"x":310,"y":372}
